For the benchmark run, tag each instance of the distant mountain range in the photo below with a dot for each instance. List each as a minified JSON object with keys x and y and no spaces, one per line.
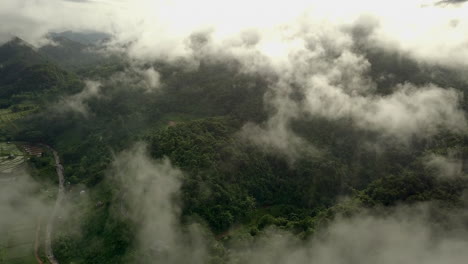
{"x":86,"y":38}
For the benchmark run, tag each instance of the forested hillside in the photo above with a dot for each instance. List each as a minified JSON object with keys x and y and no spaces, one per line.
{"x":341,"y":147}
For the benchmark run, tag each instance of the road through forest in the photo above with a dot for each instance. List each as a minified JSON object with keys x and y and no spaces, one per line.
{"x":58,"y":203}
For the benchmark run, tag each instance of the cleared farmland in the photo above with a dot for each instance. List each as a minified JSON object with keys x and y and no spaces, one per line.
{"x":11,"y":157}
{"x":7,"y":116}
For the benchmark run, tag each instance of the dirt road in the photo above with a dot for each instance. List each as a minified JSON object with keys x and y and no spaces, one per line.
{"x":58,"y":203}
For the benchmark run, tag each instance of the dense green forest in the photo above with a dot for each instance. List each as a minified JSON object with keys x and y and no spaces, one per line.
{"x":231,"y":187}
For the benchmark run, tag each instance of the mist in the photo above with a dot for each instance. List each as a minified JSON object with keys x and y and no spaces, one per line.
{"x":304,"y":44}
{"x":21,"y":200}
{"x":149,"y":197}
{"x":445,"y":166}
{"x":77,"y":103}
{"x":390,"y":73}
{"x":405,"y":234}
{"x":417,"y":233}
{"x":148,"y":31}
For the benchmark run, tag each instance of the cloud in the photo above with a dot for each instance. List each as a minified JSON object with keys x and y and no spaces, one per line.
{"x":451,"y":2}
{"x":306,"y":45}
{"x":140,"y":78}
{"x":77,"y":102}
{"x":31,"y":20}
{"x":79,"y":1}
{"x":148,"y":29}
{"x":21,"y":201}
{"x":136,"y":77}
{"x":445,"y":166}
{"x":401,"y":236}
{"x":149,"y":198}
{"x":276,"y":134}
{"x":410,"y":111}
{"x":152,"y":79}
{"x":333,"y":81}
{"x":406,"y":234}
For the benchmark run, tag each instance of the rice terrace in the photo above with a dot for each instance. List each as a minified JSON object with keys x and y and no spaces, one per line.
{"x":11,"y":157}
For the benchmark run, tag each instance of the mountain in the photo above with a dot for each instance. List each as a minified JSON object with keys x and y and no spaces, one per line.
{"x":72,"y":54}
{"x":194,"y":128}
{"x":15,"y":56}
{"x":25,"y":74}
{"x":85,"y":38}
{"x":17,"y":50}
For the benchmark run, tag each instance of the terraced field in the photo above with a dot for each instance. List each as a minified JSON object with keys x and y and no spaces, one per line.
{"x":7,"y":116}
{"x":10,"y":158}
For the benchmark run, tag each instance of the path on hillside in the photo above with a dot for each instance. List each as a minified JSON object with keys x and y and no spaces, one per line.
{"x":58,"y":203}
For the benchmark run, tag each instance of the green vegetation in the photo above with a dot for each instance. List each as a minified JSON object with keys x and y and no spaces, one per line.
{"x":18,"y":244}
{"x":231,"y":186}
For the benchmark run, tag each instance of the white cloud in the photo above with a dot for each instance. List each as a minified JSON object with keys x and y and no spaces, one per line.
{"x":404,"y":234}
{"x":445,"y":166}
{"x":335,"y":83}
{"x":401,"y":236}
{"x":77,"y":102}
{"x":149,"y":192}
{"x":408,"y":112}
{"x":159,"y":27}
{"x":305,"y":43}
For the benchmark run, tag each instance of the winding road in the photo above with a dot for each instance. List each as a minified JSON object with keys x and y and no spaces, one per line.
{"x":58,"y":203}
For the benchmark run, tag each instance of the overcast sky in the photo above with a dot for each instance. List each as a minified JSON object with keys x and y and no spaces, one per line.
{"x":425,"y":28}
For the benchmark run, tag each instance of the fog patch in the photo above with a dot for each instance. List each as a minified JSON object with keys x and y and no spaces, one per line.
{"x":410,"y":111}
{"x":152,"y":79}
{"x":276,"y":134}
{"x":404,"y":235}
{"x":77,"y":102}
{"x":451,"y":2}
{"x":139,"y":77}
{"x":150,"y":199}
{"x":323,"y":76}
{"x":144,"y":30}
{"x":445,"y":166}
{"x":21,"y":200}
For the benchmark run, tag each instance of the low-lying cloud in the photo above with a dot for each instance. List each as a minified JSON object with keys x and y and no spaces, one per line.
{"x":445,"y":166}
{"x":77,"y":102}
{"x":406,"y":234}
{"x":451,"y":2}
{"x":305,"y":44}
{"x":334,"y":82}
{"x":21,"y":201}
{"x":150,"y":192}
{"x":149,"y":29}
{"x":147,"y":79}
{"x":401,"y":236}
